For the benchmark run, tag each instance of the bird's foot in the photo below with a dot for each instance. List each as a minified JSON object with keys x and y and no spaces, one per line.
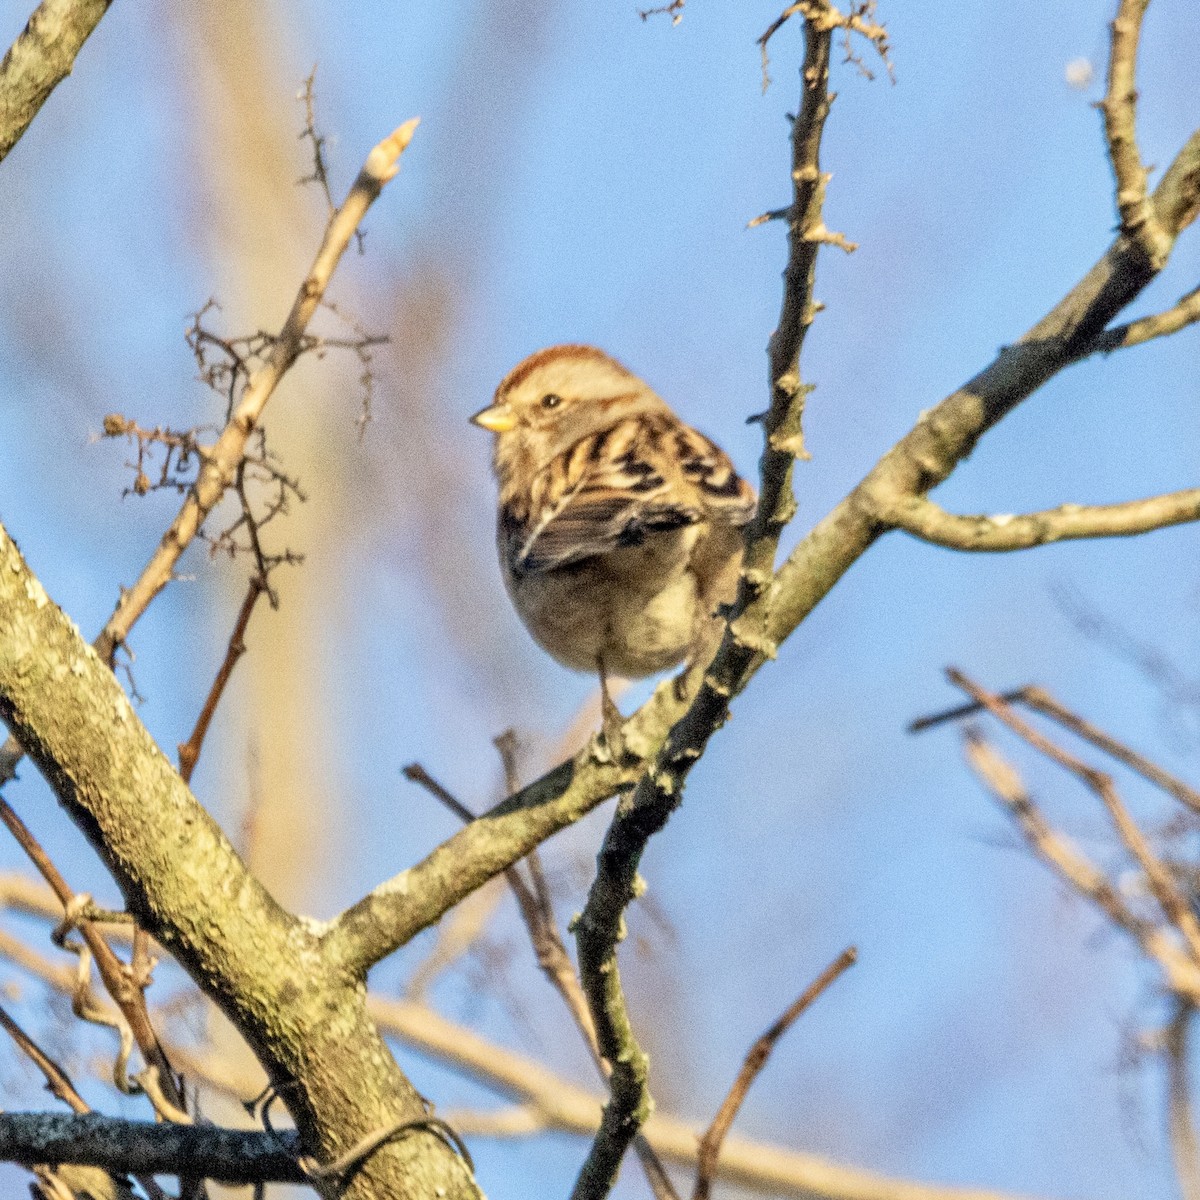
{"x":611,"y":720}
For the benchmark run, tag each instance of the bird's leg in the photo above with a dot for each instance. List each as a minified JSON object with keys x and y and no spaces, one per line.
{"x":610,"y":715}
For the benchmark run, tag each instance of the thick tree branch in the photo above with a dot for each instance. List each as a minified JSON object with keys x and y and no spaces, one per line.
{"x":924,"y":519}
{"x":142,"y":1148}
{"x":185,"y":884}
{"x":543,"y":1100}
{"x":303,"y":1016}
{"x":40,"y":59}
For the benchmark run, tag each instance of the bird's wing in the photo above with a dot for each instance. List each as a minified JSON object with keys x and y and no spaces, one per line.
{"x":608,"y":490}
{"x":726,"y":497}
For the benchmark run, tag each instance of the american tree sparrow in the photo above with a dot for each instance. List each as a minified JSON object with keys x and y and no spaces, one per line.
{"x":620,"y":527}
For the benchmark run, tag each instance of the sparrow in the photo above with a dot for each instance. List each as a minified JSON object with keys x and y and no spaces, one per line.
{"x":620,"y":526}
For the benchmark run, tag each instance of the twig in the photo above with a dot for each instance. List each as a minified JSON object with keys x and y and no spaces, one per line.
{"x":189,"y":751}
{"x":320,"y":171}
{"x":116,"y":976}
{"x":221,"y":461}
{"x":945,"y":715}
{"x":58,"y":1082}
{"x":1041,"y":701}
{"x":1139,"y":223}
{"x":1162,"y":324}
{"x":756,"y":1059}
{"x":674,"y":10}
{"x":1161,"y":881}
{"x":1074,"y":868}
{"x":1179,"y":1102}
{"x":537,"y":914}
{"x":820,"y":14}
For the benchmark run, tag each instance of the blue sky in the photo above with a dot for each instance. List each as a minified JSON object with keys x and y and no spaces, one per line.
{"x":582,"y":175}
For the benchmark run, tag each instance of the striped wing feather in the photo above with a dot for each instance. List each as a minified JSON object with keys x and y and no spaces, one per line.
{"x":614,"y":487}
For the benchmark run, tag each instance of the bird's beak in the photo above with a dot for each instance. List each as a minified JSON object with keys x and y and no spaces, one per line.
{"x":498,"y":418}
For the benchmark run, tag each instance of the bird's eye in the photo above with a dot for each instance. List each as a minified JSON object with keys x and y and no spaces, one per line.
{"x":551,"y":401}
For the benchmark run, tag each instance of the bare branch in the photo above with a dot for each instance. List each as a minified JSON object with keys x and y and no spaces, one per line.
{"x":40,"y":59}
{"x":142,"y":1148}
{"x":118,"y":982}
{"x":921,"y":517}
{"x":1041,"y":701}
{"x":1186,"y":312}
{"x":822,"y":15}
{"x":189,"y":751}
{"x":58,"y":1082}
{"x":1075,"y":869}
{"x":1161,"y":882}
{"x":756,"y":1059}
{"x":1180,"y":1124}
{"x":221,"y":463}
{"x":1139,"y":221}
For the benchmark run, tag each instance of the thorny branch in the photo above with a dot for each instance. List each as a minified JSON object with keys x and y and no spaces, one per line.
{"x":248,"y":378}
{"x":824,"y":16}
{"x":183,"y":449}
{"x":639,"y":816}
{"x":316,"y":140}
